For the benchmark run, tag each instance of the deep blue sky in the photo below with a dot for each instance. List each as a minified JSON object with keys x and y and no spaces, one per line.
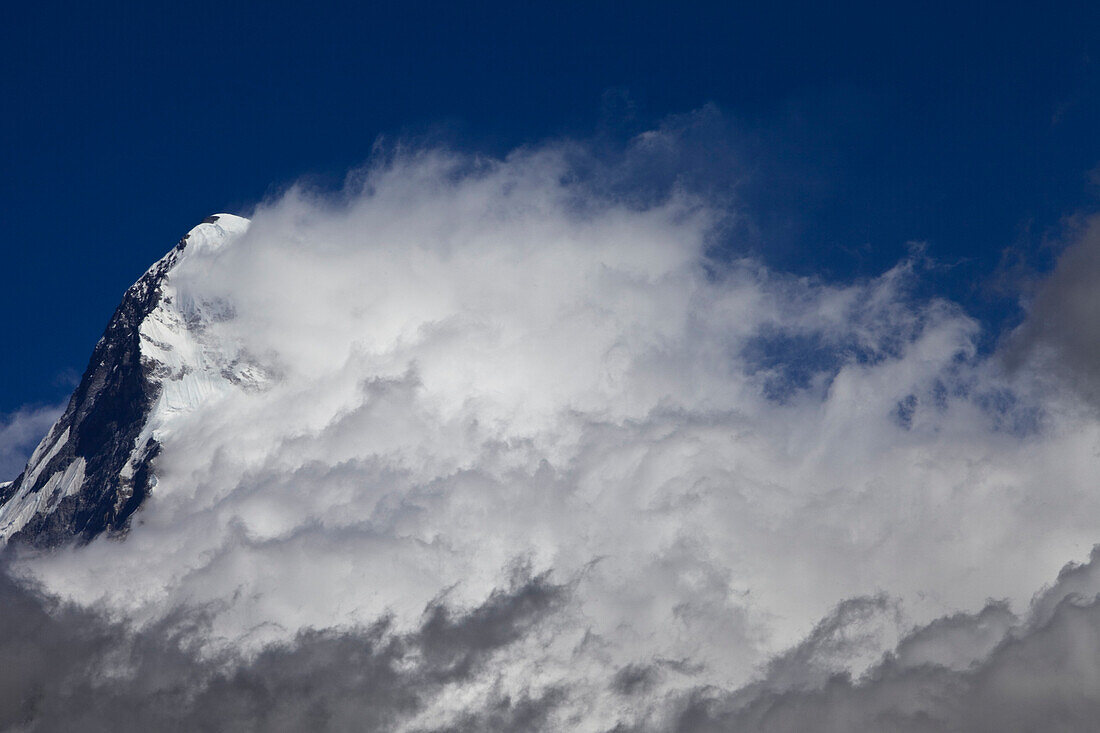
{"x":971,"y":127}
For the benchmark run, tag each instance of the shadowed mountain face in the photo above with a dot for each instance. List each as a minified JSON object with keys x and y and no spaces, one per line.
{"x":92,"y":470}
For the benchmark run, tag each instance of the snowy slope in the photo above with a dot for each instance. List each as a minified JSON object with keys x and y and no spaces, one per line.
{"x":154,"y":362}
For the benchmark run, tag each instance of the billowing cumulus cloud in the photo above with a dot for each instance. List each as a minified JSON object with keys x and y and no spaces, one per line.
{"x":731,"y":491}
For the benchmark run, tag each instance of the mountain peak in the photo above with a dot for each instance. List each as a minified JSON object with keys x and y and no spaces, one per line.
{"x":94,"y":467}
{"x":213,"y":231}
{"x":225,"y":222}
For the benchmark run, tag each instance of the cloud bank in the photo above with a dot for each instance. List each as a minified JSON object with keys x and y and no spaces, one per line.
{"x":733,"y":492}
{"x":988,"y":671}
{"x":84,"y":670}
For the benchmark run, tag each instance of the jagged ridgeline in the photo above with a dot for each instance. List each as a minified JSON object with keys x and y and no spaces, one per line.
{"x":93,"y":469}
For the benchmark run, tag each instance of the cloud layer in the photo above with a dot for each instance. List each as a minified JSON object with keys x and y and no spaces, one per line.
{"x":744,"y":488}
{"x":968,"y":673}
{"x":66,"y":667}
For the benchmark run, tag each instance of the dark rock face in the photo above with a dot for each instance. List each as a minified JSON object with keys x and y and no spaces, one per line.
{"x":105,"y":416}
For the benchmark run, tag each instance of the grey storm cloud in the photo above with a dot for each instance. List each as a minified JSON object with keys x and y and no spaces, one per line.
{"x":1061,"y":334}
{"x":64,"y":667}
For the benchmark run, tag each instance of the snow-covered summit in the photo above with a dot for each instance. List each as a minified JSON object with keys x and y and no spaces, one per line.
{"x":214,"y":231}
{"x":155,"y":361}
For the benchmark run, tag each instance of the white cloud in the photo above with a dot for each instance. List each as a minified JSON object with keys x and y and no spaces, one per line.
{"x":20,"y":432}
{"x":479,"y":361}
